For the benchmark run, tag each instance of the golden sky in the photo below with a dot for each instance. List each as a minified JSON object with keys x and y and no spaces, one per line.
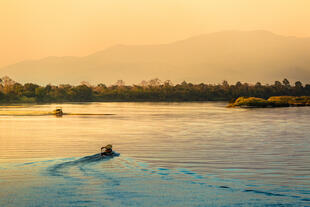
{"x":31,"y":29}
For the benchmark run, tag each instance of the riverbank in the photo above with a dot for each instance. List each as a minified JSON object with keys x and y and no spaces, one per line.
{"x":154,"y":90}
{"x":274,"y":101}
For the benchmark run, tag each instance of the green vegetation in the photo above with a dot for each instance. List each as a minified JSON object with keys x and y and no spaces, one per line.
{"x":274,"y":101}
{"x":278,"y":101}
{"x":154,"y":90}
{"x":250,"y":102}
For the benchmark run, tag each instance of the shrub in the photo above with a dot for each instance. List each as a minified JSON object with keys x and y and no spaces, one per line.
{"x":250,"y":102}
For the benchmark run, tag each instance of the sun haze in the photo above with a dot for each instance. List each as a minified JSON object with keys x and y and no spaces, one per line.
{"x":32,"y":29}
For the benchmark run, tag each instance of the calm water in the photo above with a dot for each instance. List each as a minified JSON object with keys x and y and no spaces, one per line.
{"x":171,"y":154}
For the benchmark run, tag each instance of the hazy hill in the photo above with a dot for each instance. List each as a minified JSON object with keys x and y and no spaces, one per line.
{"x":229,"y":55}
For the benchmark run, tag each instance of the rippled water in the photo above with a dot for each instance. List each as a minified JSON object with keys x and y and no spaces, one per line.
{"x":171,"y":154}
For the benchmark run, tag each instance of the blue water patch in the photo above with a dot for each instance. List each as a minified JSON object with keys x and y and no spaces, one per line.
{"x":120,"y":181}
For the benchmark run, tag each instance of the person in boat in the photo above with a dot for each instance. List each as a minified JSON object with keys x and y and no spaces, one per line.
{"x":58,"y":111}
{"x":107,"y":150}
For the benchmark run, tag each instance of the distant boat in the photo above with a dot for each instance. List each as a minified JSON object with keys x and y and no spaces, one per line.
{"x":58,"y":111}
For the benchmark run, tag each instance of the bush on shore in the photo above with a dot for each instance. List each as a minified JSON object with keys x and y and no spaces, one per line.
{"x":274,"y":101}
{"x":250,"y":102}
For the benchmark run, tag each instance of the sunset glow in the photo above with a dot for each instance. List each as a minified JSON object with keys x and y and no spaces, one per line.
{"x":32,"y":29}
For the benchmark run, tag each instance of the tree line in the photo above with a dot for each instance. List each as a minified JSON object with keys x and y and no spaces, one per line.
{"x":152,"y":90}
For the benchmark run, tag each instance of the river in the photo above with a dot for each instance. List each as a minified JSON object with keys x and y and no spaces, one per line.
{"x":171,"y":154}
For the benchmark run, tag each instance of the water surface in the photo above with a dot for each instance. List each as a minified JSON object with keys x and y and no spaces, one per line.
{"x":172,"y":154}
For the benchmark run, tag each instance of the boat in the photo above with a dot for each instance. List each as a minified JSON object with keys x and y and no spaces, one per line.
{"x":112,"y":154}
{"x":108,"y":151}
{"x":58,"y":111}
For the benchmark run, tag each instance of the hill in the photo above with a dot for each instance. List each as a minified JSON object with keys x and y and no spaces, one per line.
{"x":229,"y":55}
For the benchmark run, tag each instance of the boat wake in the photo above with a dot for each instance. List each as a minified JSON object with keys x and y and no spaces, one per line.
{"x":60,"y":169}
{"x":122,"y":181}
{"x":47,"y":113}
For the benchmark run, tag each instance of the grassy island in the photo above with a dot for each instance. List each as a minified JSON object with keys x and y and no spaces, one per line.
{"x":274,"y":101}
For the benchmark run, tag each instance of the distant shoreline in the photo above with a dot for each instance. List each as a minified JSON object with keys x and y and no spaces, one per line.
{"x":153,"y":90}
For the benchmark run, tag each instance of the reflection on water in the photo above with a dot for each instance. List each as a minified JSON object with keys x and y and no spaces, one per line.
{"x":172,"y":154}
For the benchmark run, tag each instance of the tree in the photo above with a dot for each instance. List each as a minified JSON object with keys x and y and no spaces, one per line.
{"x":154,"y":82}
{"x":168,"y":83}
{"x":277,"y":84}
{"x":7,"y":81}
{"x":7,"y":84}
{"x":18,"y":89}
{"x":2,"y":97}
{"x":29,"y":89}
{"x":286,"y":83}
{"x":225,"y":84}
{"x":258,"y":85}
{"x":120,"y":83}
{"x":298,"y":89}
{"x":184,"y":83}
{"x":40,"y":94}
{"x":238,"y":84}
{"x":82,"y":93}
{"x":298,"y":84}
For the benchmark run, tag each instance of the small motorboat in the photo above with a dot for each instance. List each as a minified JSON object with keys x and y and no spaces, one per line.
{"x":58,"y":111}
{"x":108,"y":152}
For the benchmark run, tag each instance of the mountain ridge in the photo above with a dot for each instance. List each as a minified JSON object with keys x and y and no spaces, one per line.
{"x":248,"y":56}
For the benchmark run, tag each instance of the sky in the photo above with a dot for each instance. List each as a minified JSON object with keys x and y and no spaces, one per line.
{"x":33,"y":29}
